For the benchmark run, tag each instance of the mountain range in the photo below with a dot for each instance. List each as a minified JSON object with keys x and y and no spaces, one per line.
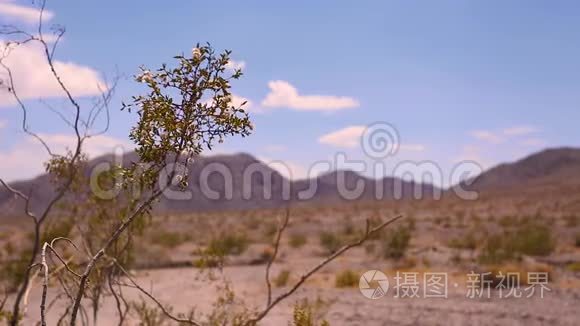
{"x":240,"y":181}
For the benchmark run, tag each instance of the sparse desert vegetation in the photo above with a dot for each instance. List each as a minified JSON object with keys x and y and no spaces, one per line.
{"x":124,"y":200}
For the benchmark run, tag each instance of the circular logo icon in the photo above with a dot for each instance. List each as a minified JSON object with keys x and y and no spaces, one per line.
{"x":373,"y":284}
{"x":380,"y":140}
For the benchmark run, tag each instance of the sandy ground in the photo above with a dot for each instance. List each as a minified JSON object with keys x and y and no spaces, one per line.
{"x":183,"y":289}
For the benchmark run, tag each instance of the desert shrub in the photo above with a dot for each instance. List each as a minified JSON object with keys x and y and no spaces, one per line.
{"x":9,"y":249}
{"x":59,"y":228}
{"x":265,"y":256}
{"x":396,"y":243}
{"x":330,"y":241}
{"x":219,"y":248}
{"x":149,"y":316}
{"x":297,"y":240}
{"x":208,"y":261}
{"x":456,"y":258}
{"x":574,"y":267}
{"x":282,"y":278}
{"x":530,"y":239}
{"x":411,"y":223}
{"x":497,"y":249}
{"x":12,"y":271}
{"x":438,"y":220}
{"x":305,"y":315}
{"x":252,"y":222}
{"x":349,"y":227}
{"x":468,"y":241}
{"x":571,"y":220}
{"x":375,"y":221}
{"x":577,"y":240}
{"x":228,"y":244}
{"x":534,"y":240}
{"x":370,"y":247}
{"x":346,"y":279}
{"x":167,"y":239}
{"x":508,"y":221}
{"x":270,"y":230}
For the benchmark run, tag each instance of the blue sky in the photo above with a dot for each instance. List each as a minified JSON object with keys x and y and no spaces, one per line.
{"x":489,"y":81}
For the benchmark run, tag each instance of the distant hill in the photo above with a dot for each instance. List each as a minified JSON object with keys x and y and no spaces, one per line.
{"x":252,"y":184}
{"x":550,"y":167}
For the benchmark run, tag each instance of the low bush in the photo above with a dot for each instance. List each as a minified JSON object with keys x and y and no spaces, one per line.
{"x":396,"y":243}
{"x":305,"y":315}
{"x":574,"y":267}
{"x":282,"y":278}
{"x":167,"y":239}
{"x":571,"y":220}
{"x":12,"y":272}
{"x":529,"y":239}
{"x":228,"y":244}
{"x":330,"y":241}
{"x":346,"y":279}
{"x":534,"y":240}
{"x":466,"y":242}
{"x":297,"y":240}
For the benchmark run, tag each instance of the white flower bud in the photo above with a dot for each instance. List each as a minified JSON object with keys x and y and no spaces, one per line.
{"x":145,"y":77}
{"x":196,"y":52}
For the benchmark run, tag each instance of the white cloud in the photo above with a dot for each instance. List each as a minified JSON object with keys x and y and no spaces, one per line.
{"x":93,"y":146}
{"x":534,"y":142}
{"x":519,"y":130}
{"x":26,"y":14}
{"x":496,"y":137}
{"x":284,"y":95}
{"x":238,"y":100}
{"x":350,"y":137}
{"x":487,"y":136}
{"x":25,"y":159}
{"x":475,"y":154}
{"x":234,"y":65}
{"x":33,"y":79}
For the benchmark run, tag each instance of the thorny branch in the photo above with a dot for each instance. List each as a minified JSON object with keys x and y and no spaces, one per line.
{"x":10,"y":84}
{"x":368,"y":234}
{"x":281,"y":230}
{"x":152,"y":298}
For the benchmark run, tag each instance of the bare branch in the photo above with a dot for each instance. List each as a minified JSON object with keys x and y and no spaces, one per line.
{"x":118,"y":298}
{"x":49,"y":52}
{"x":368,"y":233}
{"x":22,"y":196}
{"x":150,"y":296}
{"x":281,"y":229}
{"x":44,"y":284}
